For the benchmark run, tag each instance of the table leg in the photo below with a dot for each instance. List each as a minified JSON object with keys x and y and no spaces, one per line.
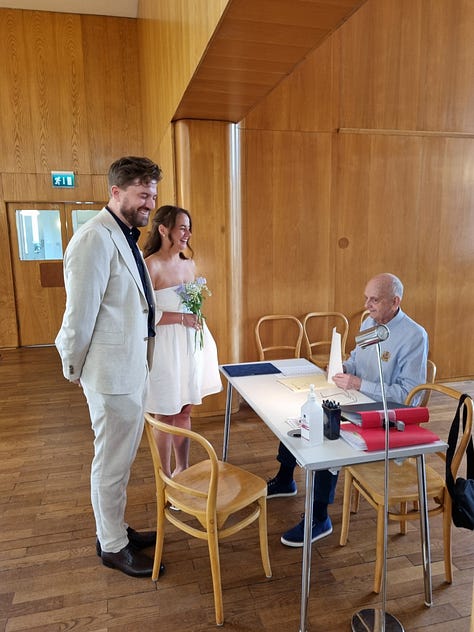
{"x":424,"y":529}
{"x":306,"y":565}
{"x":228,"y":411}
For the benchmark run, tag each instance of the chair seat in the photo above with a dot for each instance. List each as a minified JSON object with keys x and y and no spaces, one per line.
{"x":235,"y":490}
{"x":403,"y":481}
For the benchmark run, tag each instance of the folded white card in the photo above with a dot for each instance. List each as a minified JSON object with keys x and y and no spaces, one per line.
{"x":335,"y":356}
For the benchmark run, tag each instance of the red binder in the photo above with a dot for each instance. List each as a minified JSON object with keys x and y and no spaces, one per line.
{"x":412,"y":415}
{"x":372,"y":439}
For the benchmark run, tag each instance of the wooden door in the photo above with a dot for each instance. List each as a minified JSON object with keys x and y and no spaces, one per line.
{"x":39,"y":234}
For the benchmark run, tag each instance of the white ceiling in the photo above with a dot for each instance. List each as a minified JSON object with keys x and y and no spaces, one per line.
{"x":120,"y":8}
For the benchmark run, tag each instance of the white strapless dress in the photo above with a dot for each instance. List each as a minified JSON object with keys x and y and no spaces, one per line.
{"x":182,"y":372}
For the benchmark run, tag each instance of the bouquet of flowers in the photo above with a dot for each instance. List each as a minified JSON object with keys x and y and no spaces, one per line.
{"x":192,"y":295}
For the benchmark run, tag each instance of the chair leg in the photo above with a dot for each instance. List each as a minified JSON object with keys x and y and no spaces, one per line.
{"x":448,"y":569}
{"x":403,"y":523}
{"x":355,"y":500}
{"x":263,"y":534}
{"x":160,"y":535}
{"x":213,"y":545}
{"x":379,"y":553}
{"x":346,"y":507}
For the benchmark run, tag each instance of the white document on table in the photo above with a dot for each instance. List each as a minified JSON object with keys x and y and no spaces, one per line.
{"x":335,"y":356}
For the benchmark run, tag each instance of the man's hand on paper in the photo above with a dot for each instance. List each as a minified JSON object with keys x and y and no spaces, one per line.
{"x":347,"y":381}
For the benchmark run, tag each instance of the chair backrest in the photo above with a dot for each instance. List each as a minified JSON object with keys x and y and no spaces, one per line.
{"x":317,"y":332}
{"x":278,"y":336}
{"x":468,"y":405}
{"x":430,"y":379}
{"x":363,"y":316}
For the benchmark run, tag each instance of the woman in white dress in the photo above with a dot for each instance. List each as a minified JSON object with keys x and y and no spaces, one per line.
{"x":183,"y":372}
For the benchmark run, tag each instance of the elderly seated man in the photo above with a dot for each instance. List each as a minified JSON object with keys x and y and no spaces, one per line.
{"x":404,"y":355}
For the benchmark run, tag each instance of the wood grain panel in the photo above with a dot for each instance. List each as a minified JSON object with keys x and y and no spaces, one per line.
{"x":114,"y":116}
{"x":37,"y":187}
{"x":285,"y":108}
{"x":454,"y":306}
{"x":203,"y":150}
{"x":46,"y":111}
{"x":381,"y":227}
{"x":9,"y":329}
{"x":400,"y":188}
{"x":408,"y":65}
{"x":15,"y":121}
{"x":173,"y":37}
{"x":73,"y":95}
{"x":256,"y":45}
{"x":288,"y":260}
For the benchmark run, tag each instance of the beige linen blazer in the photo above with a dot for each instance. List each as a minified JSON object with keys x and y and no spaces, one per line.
{"x":103,"y":340}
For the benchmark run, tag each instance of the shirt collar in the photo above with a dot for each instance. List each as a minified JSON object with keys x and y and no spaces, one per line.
{"x":133,"y":232}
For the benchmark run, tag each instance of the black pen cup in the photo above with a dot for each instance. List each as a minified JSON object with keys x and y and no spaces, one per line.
{"x":332,"y":422}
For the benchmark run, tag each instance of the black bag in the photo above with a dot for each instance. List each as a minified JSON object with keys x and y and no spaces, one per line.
{"x":461,"y":491}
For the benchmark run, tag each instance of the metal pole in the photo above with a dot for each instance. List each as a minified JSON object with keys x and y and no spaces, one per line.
{"x":373,"y":619}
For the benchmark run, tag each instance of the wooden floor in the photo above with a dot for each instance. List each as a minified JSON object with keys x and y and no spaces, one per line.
{"x":52,"y":580}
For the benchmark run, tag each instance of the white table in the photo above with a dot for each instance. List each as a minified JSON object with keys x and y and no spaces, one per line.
{"x":274,"y":403}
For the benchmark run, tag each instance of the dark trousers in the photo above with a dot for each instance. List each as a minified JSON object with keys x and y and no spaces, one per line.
{"x":324,"y":481}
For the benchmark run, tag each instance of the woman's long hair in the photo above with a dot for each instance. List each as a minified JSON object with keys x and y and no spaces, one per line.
{"x":166,"y":215}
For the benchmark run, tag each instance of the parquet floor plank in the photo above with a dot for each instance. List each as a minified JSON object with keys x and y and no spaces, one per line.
{"x":51,"y":579}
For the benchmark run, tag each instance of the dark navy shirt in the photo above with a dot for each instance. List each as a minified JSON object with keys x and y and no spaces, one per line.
{"x":132,"y":235}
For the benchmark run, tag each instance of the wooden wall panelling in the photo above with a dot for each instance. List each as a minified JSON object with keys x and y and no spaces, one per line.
{"x":114,"y":115}
{"x":408,"y":65}
{"x":54,"y":126}
{"x":70,"y":100}
{"x":29,"y":187}
{"x":255,"y":46}
{"x":454,"y":169}
{"x":287,"y":259}
{"x":381,"y":227}
{"x":9,"y":329}
{"x":399,"y":197}
{"x":15,"y":121}
{"x":166,"y":152}
{"x":73,"y":95}
{"x":164,"y":156}
{"x":203,"y":168}
{"x":285,"y":109}
{"x":173,"y":36}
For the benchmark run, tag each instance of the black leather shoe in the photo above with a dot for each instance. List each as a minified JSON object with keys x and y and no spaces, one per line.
{"x":141,"y":539}
{"x":129,"y":561}
{"x":144,"y":539}
{"x":138,"y":540}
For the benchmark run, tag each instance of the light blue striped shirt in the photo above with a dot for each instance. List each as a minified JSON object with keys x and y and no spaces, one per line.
{"x":404,"y":355}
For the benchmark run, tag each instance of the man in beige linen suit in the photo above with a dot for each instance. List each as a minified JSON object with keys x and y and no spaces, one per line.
{"x":106,"y":346}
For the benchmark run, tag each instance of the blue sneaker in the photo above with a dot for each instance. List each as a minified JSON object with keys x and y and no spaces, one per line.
{"x":276,"y":489}
{"x":295,"y":536}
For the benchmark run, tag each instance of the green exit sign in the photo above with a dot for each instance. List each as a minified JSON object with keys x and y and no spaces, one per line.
{"x":62,"y":179}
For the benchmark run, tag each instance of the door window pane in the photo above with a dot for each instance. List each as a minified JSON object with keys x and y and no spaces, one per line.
{"x":81,"y":216}
{"x":39,"y":234}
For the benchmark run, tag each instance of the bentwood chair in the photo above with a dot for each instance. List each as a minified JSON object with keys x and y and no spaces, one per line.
{"x":368,"y":479}
{"x":278,"y":335}
{"x":317,"y":331}
{"x":430,"y":379}
{"x":215,"y":500}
